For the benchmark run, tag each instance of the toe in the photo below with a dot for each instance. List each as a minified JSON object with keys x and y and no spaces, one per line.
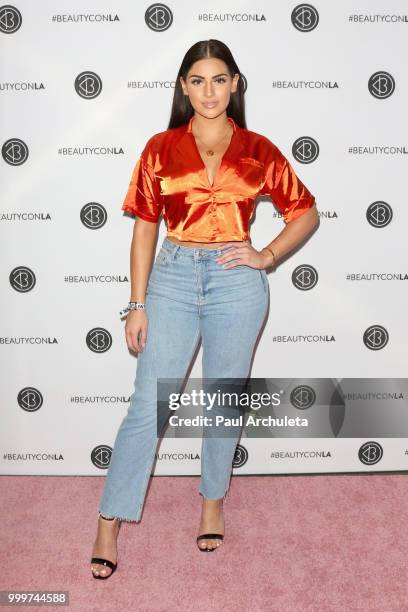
{"x":100,"y":569}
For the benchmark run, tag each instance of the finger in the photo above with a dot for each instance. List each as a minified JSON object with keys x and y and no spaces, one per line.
{"x":143,"y":337}
{"x":238,"y":247}
{"x":233,"y":263}
{"x":138,"y":342}
{"x":131,"y":339}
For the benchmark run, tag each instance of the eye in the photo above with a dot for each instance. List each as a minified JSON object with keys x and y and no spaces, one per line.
{"x":199,"y":81}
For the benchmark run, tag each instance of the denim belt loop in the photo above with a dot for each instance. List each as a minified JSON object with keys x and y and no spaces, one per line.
{"x":174,"y":251}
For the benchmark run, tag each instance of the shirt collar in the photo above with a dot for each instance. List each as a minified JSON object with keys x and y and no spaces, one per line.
{"x":230,"y":119}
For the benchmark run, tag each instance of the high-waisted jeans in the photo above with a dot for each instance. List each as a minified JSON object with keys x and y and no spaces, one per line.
{"x":189,"y":296}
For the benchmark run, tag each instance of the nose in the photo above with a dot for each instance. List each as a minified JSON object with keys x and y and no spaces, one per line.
{"x":208,"y":90}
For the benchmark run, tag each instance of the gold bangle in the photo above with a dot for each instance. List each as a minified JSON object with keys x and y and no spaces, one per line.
{"x":273,"y":254}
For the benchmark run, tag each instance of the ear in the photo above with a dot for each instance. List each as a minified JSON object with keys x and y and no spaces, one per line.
{"x":235,"y":82}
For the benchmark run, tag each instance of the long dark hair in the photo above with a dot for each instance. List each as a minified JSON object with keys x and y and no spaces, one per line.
{"x":182,"y":110}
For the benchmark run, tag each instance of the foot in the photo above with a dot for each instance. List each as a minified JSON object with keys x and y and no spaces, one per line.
{"x":212,"y":521}
{"x":105,"y":545}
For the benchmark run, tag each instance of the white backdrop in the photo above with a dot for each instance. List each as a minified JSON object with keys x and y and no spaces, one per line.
{"x":81,"y":92}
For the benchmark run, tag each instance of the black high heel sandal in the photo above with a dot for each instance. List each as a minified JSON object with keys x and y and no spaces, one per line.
{"x":105,"y":562}
{"x":209,"y":536}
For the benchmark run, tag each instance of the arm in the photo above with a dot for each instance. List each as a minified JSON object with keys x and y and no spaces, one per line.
{"x":141,"y":259}
{"x":294,"y":200}
{"x":290,"y":237}
{"x":142,"y":200}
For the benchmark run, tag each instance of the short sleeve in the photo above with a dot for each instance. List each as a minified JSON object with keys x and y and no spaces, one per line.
{"x":143,"y":195}
{"x":287,"y":191}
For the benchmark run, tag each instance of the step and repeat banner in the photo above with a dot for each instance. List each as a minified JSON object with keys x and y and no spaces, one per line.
{"x":81,"y":92}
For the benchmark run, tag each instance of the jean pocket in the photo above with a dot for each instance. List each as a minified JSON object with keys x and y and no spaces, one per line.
{"x":163,"y":257}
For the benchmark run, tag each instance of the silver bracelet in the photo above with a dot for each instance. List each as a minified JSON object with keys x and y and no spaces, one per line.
{"x":132,"y":306}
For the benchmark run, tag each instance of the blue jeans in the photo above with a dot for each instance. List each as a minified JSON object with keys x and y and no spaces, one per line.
{"x":189,"y":296}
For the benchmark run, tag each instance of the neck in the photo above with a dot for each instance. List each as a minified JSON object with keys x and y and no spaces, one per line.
{"x":210,"y":128}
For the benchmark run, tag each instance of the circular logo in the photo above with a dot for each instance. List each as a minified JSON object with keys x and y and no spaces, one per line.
{"x":304,"y":277}
{"x":101,"y":456}
{"x":88,"y":85}
{"x":304,"y":17}
{"x":305,"y":149}
{"x":22,"y":279}
{"x":30,"y":399}
{"x":93,"y":215}
{"x":158,"y":17}
{"x":14,"y":152}
{"x":302,"y":397}
{"x":379,"y":214}
{"x":375,"y":337}
{"x":370,"y":453}
{"x":240,"y":456}
{"x":381,"y":84}
{"x":99,"y":340}
{"x":10,"y":19}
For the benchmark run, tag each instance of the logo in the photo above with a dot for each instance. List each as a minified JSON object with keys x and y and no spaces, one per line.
{"x":381,"y":85}
{"x":88,"y":85}
{"x":304,"y":277}
{"x":302,"y":397}
{"x":379,"y":214}
{"x":305,"y":150}
{"x":101,"y":456}
{"x":370,"y":453}
{"x":158,"y":17}
{"x":22,"y":279}
{"x":99,"y":340}
{"x":375,"y":337}
{"x":240,"y":456}
{"x":30,"y":399}
{"x":10,"y":19}
{"x":14,"y":152}
{"x":304,"y":17}
{"x":93,"y":215}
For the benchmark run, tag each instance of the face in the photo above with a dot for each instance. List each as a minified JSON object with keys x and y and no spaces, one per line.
{"x":209,"y":86}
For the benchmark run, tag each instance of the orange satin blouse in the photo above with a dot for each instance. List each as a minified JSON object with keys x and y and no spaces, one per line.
{"x":170,"y":178}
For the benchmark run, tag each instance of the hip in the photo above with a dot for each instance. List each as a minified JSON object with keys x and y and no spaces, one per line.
{"x":179,"y":272}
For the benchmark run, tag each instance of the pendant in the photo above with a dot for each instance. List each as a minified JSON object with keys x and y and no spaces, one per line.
{"x":210,"y":152}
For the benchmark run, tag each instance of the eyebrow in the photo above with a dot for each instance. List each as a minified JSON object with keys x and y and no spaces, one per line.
{"x":201,"y":77}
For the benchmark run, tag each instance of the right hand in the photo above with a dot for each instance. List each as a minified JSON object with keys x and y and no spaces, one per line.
{"x":136,"y":330}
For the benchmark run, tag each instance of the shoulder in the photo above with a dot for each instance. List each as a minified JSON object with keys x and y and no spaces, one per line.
{"x":263,"y":146}
{"x":260,"y":146}
{"x":163,"y":139}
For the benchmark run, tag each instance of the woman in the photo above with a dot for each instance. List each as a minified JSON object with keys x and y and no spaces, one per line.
{"x":203,"y":174}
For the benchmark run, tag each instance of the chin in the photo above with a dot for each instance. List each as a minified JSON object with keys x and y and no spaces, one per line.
{"x":211,"y":113}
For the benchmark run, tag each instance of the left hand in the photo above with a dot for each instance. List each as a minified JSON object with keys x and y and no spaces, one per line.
{"x":243,"y":253}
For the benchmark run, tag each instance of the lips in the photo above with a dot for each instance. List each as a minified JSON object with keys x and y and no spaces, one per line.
{"x":210,"y":104}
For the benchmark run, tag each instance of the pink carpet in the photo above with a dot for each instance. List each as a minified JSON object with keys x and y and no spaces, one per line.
{"x":292,"y":543}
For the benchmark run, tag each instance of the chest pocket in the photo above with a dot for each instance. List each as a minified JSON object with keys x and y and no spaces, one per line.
{"x":250,"y":175}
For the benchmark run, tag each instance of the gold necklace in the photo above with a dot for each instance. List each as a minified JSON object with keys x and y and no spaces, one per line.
{"x":210,"y":151}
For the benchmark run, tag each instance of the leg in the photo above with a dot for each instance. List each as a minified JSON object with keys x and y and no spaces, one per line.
{"x":172,"y":338}
{"x":230,"y":327}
